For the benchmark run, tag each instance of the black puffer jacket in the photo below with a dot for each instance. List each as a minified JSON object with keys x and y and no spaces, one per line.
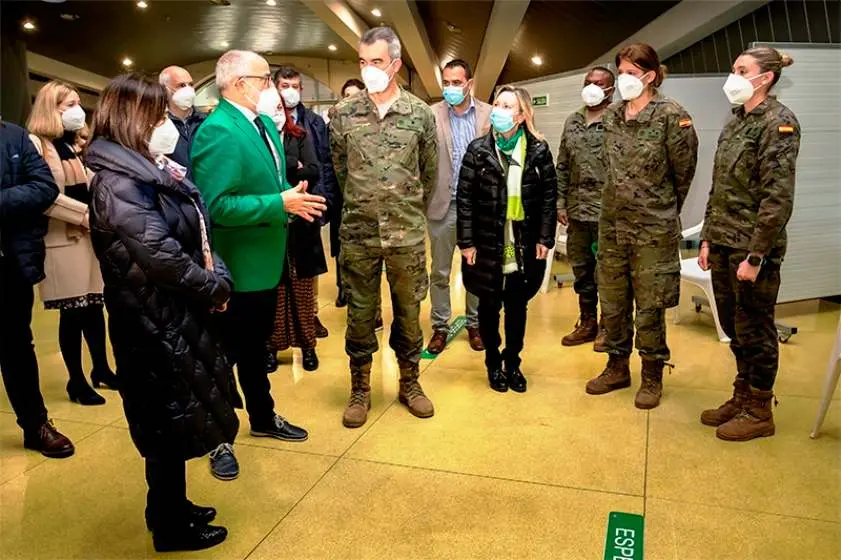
{"x":26,"y":192}
{"x":482,"y":204}
{"x":175,"y":380}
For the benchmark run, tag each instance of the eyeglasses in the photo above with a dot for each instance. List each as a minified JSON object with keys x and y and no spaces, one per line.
{"x":266,"y":78}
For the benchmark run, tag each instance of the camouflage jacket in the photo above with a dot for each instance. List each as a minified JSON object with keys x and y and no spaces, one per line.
{"x":753,"y":180}
{"x":387,"y":169}
{"x":580,"y":167}
{"x":651,"y":162}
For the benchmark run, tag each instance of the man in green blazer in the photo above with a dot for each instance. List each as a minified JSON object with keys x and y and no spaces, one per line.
{"x":239,"y":167}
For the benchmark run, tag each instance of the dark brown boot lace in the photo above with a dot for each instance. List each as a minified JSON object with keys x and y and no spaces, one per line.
{"x":412,"y":390}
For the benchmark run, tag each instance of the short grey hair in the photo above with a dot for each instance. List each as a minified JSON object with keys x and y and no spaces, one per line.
{"x":232,"y":66}
{"x":386,"y":34}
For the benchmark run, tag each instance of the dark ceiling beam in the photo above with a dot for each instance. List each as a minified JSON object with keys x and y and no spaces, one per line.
{"x":685,"y":24}
{"x":503,"y":25}
{"x":412,"y":32}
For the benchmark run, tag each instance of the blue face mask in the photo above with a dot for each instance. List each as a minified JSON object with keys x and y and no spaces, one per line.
{"x":454,"y":95}
{"x":502,"y":119}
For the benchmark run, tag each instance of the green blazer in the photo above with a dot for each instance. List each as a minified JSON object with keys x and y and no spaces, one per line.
{"x":241,"y":186}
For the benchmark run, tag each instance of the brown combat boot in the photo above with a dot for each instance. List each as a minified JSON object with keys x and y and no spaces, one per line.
{"x":617,"y":375}
{"x":756,"y":419}
{"x":649,"y":393}
{"x":727,"y":411}
{"x":356,"y":413}
{"x":412,"y":395}
{"x":585,"y":331}
{"x":600,"y":344}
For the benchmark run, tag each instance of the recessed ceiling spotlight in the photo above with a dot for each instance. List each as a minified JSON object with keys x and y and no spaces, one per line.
{"x":271,"y":2}
{"x":70,"y":17}
{"x":142,"y":5}
{"x":376,"y":12}
{"x":29,"y":25}
{"x":225,"y":44}
{"x":127,"y":62}
{"x":333,"y":48}
{"x":536,"y":60}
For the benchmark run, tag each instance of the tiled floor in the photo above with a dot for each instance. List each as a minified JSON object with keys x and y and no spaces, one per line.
{"x":490,"y":476}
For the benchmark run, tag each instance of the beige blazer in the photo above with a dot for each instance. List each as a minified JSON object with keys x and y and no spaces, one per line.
{"x":441,"y":197}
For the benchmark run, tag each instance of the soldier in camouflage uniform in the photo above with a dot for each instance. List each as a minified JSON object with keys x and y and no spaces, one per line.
{"x":581,"y":177}
{"x":744,"y":237}
{"x":384,"y":151}
{"x":652,"y":150}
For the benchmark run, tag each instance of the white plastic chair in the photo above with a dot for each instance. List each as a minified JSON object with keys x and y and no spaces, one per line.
{"x":561,"y":247}
{"x":831,"y":382}
{"x":692,"y":273}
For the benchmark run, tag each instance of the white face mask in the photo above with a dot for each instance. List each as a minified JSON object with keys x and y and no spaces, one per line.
{"x":73,"y":119}
{"x":739,"y":89}
{"x":291,"y":96}
{"x":267,"y":102}
{"x":376,"y":80}
{"x":164,"y":139}
{"x":184,"y":98}
{"x":279,"y":120}
{"x":592,"y":95}
{"x":630,"y":87}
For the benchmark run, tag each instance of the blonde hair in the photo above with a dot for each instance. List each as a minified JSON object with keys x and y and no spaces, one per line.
{"x":524,"y":98}
{"x":769,"y":59}
{"x":44,"y":119}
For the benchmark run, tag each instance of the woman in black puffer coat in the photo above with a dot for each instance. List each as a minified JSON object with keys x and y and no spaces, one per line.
{"x":506,"y":226}
{"x":162,"y":287}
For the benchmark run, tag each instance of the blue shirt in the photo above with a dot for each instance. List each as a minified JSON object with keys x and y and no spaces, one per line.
{"x":463,"y":128}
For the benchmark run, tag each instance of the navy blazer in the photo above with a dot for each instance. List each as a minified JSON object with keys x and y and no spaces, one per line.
{"x":27,"y":191}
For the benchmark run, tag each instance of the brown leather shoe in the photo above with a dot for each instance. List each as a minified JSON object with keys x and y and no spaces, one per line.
{"x":49,"y":441}
{"x":475,"y":339}
{"x":729,"y":410}
{"x":437,"y":343}
{"x":617,"y":375}
{"x":756,"y":419}
{"x":585,"y":331}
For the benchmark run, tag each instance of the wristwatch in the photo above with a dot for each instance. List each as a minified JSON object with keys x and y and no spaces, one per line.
{"x":754,"y":260}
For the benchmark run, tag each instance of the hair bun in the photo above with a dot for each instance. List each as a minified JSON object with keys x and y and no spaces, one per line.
{"x":786,"y":60}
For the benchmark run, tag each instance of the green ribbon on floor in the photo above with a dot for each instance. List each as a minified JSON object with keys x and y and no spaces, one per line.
{"x":455,"y":328}
{"x":624,"y":536}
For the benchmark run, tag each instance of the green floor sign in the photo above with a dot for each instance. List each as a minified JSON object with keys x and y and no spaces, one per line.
{"x":455,"y":327}
{"x":624,"y":536}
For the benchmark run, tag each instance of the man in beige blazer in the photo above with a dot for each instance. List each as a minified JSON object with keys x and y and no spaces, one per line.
{"x":459,"y":119}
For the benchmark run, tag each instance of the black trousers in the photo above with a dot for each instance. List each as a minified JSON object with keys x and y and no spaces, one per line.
{"x":746,"y":312}
{"x":513,"y":298}
{"x":247,"y":328}
{"x":580,"y":239}
{"x":17,"y":353}
{"x":166,"y":500}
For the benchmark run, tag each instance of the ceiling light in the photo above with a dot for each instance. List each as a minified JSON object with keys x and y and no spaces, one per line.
{"x":70,"y":17}
{"x":536,"y":60}
{"x":376,"y":13}
{"x":225,"y":44}
{"x":333,"y":48}
{"x":127,"y":62}
{"x":271,"y":2}
{"x":29,"y":25}
{"x":142,"y":5}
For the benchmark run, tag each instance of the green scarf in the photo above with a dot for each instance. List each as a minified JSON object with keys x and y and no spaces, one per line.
{"x":514,"y":158}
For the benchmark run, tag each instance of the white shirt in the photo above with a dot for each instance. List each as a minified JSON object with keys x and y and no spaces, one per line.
{"x":251,"y":115}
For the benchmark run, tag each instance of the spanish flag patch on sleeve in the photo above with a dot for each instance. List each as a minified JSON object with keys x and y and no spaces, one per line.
{"x":785,"y":129}
{"x":684,"y":123}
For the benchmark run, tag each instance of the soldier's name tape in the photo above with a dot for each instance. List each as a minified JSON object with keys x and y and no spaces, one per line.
{"x":624,"y":536}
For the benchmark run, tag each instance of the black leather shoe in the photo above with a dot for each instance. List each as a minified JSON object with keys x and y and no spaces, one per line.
{"x":82,"y":393}
{"x":189,"y":537}
{"x":310,"y":360}
{"x":271,"y":362}
{"x":516,"y":380}
{"x":49,"y":441}
{"x":280,"y":429}
{"x":104,"y":377}
{"x":341,"y":301}
{"x":497,"y":380}
{"x":196,"y":514}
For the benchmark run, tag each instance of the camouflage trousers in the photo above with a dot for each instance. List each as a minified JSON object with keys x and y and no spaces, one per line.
{"x":408,"y":282}
{"x":646,"y":277}
{"x":746,"y":312}
{"x":580,"y":239}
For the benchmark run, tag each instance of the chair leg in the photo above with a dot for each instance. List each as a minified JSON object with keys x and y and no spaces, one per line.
{"x":708,"y":292}
{"x":828,"y":390}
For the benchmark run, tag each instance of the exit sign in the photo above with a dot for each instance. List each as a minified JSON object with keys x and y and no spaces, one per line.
{"x":540,"y":100}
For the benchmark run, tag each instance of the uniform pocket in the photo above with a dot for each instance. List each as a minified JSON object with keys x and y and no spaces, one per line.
{"x":656,"y":275}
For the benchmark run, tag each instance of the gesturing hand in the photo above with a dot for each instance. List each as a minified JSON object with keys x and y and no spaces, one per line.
{"x":469,"y":255}
{"x":298,"y":202}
